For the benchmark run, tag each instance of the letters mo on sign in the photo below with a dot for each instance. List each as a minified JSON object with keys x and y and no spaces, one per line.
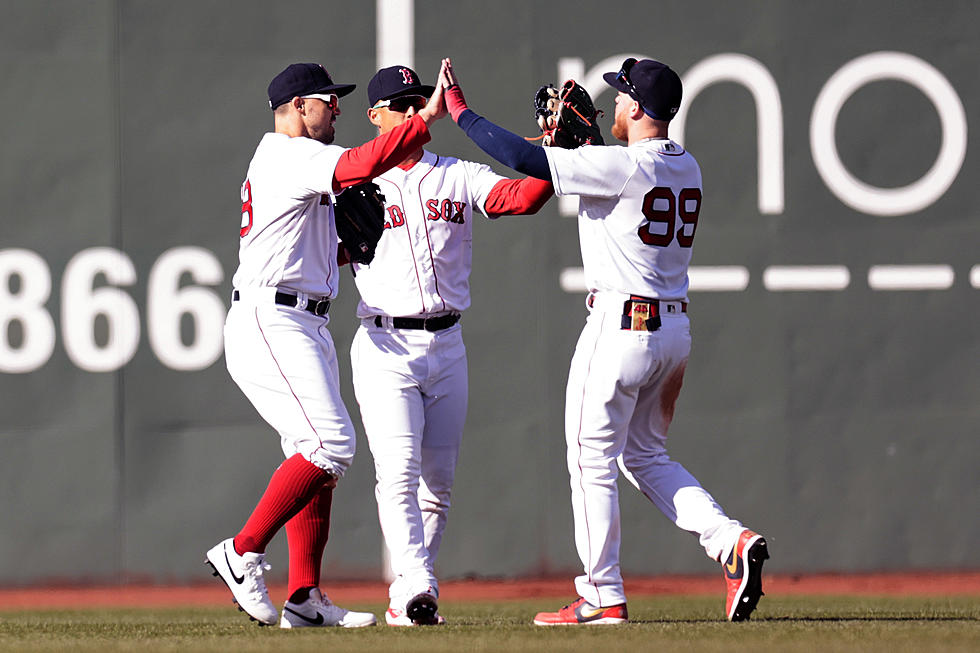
{"x":855,"y":74}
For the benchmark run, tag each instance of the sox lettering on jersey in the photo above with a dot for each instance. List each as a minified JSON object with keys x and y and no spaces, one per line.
{"x":445,"y":209}
{"x":424,"y":258}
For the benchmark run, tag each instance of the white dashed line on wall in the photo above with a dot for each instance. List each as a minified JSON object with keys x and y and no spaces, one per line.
{"x":809,"y":278}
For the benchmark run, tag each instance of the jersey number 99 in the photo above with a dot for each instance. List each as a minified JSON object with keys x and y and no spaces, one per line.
{"x":686,"y":206}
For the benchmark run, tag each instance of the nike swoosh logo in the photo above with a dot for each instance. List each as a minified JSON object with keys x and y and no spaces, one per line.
{"x":732,"y":566}
{"x":238,"y":579}
{"x":315,"y":622}
{"x":588,"y":614}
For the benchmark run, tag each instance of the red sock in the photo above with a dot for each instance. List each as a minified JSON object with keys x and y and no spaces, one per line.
{"x":291,"y":487}
{"x":307,"y":536}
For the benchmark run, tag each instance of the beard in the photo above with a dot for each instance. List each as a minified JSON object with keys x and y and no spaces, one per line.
{"x":618,"y":128}
{"x":327,"y":135}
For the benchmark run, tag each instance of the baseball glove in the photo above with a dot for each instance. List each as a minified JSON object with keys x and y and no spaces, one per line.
{"x":359,"y":212}
{"x":567,"y":116}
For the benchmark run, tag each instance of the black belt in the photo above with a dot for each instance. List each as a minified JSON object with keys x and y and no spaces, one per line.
{"x":316,"y":306}
{"x":428,"y":323}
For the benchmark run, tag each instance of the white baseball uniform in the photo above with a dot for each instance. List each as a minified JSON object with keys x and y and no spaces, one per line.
{"x":411,"y":383}
{"x":638,"y":211}
{"x":282,"y":355}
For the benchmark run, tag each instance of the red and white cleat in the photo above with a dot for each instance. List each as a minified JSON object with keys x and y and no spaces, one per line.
{"x":583,"y":613}
{"x":743,"y":573}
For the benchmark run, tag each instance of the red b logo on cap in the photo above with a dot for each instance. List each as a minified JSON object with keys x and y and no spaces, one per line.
{"x":407,"y":76}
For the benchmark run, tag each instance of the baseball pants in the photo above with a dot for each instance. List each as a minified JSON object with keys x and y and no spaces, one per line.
{"x":411,"y":386}
{"x":284,"y":360}
{"x":620,"y":398}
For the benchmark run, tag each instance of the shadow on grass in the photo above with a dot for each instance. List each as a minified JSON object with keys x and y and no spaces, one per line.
{"x":869,"y":619}
{"x":788,"y":619}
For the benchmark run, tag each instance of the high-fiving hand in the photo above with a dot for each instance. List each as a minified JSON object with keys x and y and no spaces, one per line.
{"x":435,"y":108}
{"x":454,"y":94}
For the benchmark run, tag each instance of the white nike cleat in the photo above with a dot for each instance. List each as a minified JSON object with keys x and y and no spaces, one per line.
{"x":396,"y":617}
{"x":243,"y":576}
{"x":319,"y":611}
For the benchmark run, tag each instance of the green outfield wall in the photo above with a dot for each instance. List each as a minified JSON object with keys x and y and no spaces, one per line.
{"x":832,"y":400}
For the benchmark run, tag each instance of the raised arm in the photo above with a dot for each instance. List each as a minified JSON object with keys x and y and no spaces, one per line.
{"x":365,"y":162}
{"x":506,"y":147}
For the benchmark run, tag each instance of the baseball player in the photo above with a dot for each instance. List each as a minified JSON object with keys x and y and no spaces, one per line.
{"x":408,"y":358}
{"x":277,"y":345}
{"x":638,"y":211}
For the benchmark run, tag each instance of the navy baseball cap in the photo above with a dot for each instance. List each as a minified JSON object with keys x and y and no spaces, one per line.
{"x":396,"y":81}
{"x":654,"y":85}
{"x":300,"y":79}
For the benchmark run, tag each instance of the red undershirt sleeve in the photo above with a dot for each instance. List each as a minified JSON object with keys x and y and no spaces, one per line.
{"x":365,"y":162}
{"x":518,"y":196}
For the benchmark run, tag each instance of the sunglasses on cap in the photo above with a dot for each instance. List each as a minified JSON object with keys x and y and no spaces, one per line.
{"x":332,"y":100}
{"x":402,"y":104}
{"x":624,"y":76}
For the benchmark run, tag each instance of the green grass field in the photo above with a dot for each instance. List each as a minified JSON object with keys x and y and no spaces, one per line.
{"x":824,"y":624}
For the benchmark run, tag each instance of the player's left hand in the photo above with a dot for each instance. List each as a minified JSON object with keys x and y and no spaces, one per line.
{"x":359,"y":215}
{"x":566,"y":116}
{"x":454,"y":94}
{"x":436,"y":106}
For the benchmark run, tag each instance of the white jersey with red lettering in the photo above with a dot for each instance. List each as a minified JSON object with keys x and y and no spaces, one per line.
{"x":408,"y":357}
{"x":288,"y":236}
{"x":638,"y":210}
{"x":423,"y":260}
{"x":277,"y":346}
{"x":637,"y":214}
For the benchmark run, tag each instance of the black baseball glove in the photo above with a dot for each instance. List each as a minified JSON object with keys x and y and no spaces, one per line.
{"x":567,"y":116}
{"x":359,"y":212}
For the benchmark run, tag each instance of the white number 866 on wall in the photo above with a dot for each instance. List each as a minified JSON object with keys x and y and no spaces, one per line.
{"x":100,"y":322}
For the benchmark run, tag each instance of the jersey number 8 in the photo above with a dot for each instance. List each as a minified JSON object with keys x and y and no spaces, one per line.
{"x":246,"y":209}
{"x":686,"y":206}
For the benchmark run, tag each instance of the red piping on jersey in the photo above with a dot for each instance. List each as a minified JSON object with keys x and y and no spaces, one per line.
{"x":408,"y":237}
{"x":425,"y":223}
{"x":286,"y":380}
{"x":336,"y":246}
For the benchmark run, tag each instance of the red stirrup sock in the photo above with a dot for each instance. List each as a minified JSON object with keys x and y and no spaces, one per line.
{"x":307,"y":534}
{"x":291,"y":487}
